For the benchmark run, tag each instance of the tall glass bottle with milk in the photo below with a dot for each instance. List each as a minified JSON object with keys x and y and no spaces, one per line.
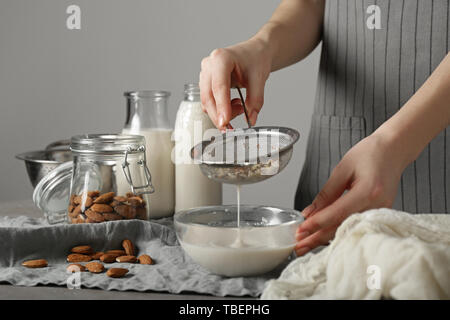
{"x":147,"y":116}
{"x":192,"y":125}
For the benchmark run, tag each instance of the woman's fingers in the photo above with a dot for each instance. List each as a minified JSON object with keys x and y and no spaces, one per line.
{"x":206,"y":94}
{"x":221,"y":69}
{"x":225,"y":68}
{"x":331,"y":191}
{"x":319,"y":238}
{"x":255,"y":97}
{"x":355,"y":200}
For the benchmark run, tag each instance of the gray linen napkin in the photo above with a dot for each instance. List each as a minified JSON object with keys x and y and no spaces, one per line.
{"x":24,"y":238}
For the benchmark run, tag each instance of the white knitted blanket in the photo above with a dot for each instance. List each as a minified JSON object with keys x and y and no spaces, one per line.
{"x":377,"y":254}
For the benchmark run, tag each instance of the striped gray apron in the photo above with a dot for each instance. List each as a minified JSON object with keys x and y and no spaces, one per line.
{"x":365,"y":76}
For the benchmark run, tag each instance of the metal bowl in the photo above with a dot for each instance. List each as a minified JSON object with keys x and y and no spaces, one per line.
{"x":264,"y":239}
{"x":40,"y":163}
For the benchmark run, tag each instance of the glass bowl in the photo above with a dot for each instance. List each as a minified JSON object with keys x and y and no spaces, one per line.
{"x":264,"y":239}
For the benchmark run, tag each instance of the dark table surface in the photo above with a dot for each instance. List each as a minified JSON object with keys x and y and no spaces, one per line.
{"x":26,"y":207}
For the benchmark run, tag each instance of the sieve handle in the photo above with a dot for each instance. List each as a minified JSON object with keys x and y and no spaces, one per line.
{"x":245,"y":108}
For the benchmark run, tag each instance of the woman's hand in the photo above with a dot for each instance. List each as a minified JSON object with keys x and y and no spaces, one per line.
{"x":293,"y":31}
{"x":371,"y":170}
{"x":246,"y":65}
{"x":370,"y":173}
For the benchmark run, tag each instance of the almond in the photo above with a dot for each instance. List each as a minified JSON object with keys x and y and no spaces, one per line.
{"x":128,"y":247}
{"x":88,"y":202}
{"x":72,"y":199}
{"x":105,"y":198}
{"x":78,"y":219}
{"x":38,"y":263}
{"x":82,"y":249}
{"x":120,"y":199}
{"x":97,"y":255}
{"x":75,"y":212}
{"x":141,"y":213}
{"x":125,"y":259}
{"x":77,"y":200}
{"x":93,"y":193}
{"x":112,"y":216}
{"x":130,"y":194}
{"x":75,"y":267}
{"x":145,"y":259}
{"x":97,"y":217}
{"x":135,"y":201}
{"x":78,"y":257}
{"x":108,"y":258}
{"x":117,"y":252}
{"x":102,"y":208}
{"x":95,"y":267}
{"x":115,"y":203}
{"x":125,"y":211}
{"x":116,"y":272}
{"x":71,"y":207}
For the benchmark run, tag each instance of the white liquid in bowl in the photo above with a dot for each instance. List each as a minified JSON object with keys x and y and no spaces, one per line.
{"x":237,"y":251}
{"x":233,"y":262}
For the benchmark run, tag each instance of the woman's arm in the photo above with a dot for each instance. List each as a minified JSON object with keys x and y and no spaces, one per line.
{"x":291,"y":34}
{"x":293,"y":31}
{"x":422,"y":118}
{"x":372,"y":169}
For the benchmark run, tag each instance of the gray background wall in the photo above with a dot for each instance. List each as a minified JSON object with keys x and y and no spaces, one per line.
{"x":55,"y":83}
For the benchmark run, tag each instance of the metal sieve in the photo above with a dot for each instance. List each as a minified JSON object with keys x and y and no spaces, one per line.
{"x":243,"y":156}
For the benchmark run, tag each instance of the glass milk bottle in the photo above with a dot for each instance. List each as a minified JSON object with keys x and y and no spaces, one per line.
{"x":147,"y":116}
{"x":192,"y":125}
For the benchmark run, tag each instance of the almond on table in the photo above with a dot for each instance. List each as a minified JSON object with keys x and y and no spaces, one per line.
{"x":126,"y":259}
{"x":128,"y":247}
{"x":109,"y":258}
{"x":97,"y":255}
{"x":82,"y":249}
{"x":77,"y":257}
{"x":95,"y":267}
{"x":37,"y":263}
{"x":117,"y":252}
{"x":116,"y":272}
{"x":75,"y":267}
{"x":145,"y":259}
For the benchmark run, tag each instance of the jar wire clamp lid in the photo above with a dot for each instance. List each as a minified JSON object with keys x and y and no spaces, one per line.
{"x":113,"y":144}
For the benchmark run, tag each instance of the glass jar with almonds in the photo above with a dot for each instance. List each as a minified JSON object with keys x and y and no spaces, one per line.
{"x":109,"y":177}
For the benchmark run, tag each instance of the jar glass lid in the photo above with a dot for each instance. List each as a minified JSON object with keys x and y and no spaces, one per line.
{"x":106,"y":143}
{"x":51,"y":194}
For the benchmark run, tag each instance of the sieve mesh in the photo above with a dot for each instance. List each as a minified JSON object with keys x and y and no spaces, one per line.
{"x":244,"y":146}
{"x":245,"y":156}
